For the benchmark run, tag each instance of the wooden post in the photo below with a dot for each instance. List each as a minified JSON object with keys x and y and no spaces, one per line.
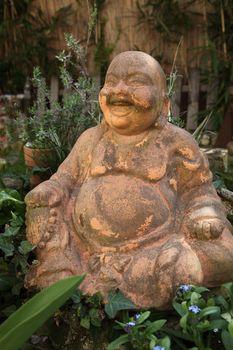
{"x":26,"y":94}
{"x":211,"y":98}
{"x":194,"y":84}
{"x":176,"y":98}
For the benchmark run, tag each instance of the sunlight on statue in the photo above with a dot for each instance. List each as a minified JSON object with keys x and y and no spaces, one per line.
{"x":133,"y":204}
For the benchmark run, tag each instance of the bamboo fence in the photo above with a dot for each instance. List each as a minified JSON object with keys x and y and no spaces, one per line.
{"x":123,"y":31}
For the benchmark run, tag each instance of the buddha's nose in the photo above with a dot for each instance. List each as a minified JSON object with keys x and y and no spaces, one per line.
{"x":120,"y":87}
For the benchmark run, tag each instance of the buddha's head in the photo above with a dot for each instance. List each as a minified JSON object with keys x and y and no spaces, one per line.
{"x":134,"y":94}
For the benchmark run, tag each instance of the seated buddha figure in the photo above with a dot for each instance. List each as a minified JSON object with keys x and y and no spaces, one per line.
{"x":133,"y":205}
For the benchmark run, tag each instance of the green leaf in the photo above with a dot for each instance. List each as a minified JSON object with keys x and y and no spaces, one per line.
{"x":152,"y":343}
{"x":6,"y":281}
{"x":10,"y":231}
{"x":209,"y":310}
{"x":16,"y":289}
{"x":184,"y":306}
{"x":230,"y":328}
{"x":85,"y":322}
{"x":227,"y":316}
{"x":201,"y":290}
{"x":6,"y":246}
{"x":25,"y":247}
{"x":76,"y":296}
{"x":203,"y":325}
{"x":118,"y":342}
{"x":178,"y":334}
{"x":229,"y":288}
{"x":194,"y":298}
{"x":144,"y":316}
{"x":178,"y":308}
{"x":116,"y":302}
{"x":165,"y":342}
{"x":217,"y":324}
{"x":8,"y":195}
{"x":227,"y":340}
{"x":95,"y":317}
{"x":121,"y":323}
{"x":156,"y":326}
{"x":222,"y":301}
{"x":30,"y":316}
{"x":183,"y":321}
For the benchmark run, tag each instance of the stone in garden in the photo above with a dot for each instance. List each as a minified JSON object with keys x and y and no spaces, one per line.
{"x":133,"y":204}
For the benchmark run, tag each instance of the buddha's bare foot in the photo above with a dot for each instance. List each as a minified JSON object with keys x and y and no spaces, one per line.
{"x":42,"y":276}
{"x":205,"y":229}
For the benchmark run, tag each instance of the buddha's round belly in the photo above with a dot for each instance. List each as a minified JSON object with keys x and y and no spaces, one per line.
{"x":111,"y":210}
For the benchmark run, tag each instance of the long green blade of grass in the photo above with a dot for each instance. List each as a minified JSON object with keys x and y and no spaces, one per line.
{"x":30,"y":316}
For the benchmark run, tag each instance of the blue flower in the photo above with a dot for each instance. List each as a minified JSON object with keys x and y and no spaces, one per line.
{"x":194,"y":309}
{"x":136,"y":317}
{"x":158,"y":347}
{"x":129,"y":326}
{"x":184,"y":288}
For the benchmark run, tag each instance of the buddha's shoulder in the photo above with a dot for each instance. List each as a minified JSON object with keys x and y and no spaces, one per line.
{"x":93,"y":133}
{"x":180,"y":141}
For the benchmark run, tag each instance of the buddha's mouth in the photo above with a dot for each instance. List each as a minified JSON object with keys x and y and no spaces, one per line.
{"x":120,"y":106}
{"x":120,"y":101}
{"x":121,"y":110}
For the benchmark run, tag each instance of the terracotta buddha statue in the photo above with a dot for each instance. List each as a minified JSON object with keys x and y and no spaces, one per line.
{"x":133,"y":205}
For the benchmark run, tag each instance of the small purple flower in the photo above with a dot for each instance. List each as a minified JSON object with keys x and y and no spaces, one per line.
{"x":194,"y":309}
{"x":129,"y":326}
{"x":185,"y":288}
{"x":136,"y":317}
{"x":158,"y":347}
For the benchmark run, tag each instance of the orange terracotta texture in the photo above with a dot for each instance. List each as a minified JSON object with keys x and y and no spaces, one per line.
{"x":133,"y":204}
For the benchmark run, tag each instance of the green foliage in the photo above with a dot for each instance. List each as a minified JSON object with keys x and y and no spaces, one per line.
{"x":26,"y":38}
{"x":10,"y":200}
{"x":216,"y":56}
{"x":159,"y":14}
{"x":141,"y":333}
{"x":88,"y":309}
{"x":33,"y":129}
{"x":14,"y":250}
{"x":116,"y":302}
{"x":58,"y":125}
{"x":30,"y":316}
{"x":205,"y":320}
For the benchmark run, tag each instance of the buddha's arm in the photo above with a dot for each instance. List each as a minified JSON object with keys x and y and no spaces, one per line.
{"x":69,"y":175}
{"x":203,"y":213}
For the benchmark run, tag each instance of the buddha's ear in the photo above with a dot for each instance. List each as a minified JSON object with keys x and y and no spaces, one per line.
{"x":102,"y":101}
{"x":166,"y":106}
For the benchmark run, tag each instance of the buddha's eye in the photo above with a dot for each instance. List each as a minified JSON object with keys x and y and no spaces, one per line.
{"x":137,"y":81}
{"x":111,"y":81}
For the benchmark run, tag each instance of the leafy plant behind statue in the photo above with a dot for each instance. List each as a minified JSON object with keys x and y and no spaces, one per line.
{"x":58,"y":125}
{"x":34,"y":128}
{"x":79,"y":109}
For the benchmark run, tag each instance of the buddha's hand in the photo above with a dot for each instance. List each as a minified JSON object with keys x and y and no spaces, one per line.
{"x":47,"y":194}
{"x":207,"y":228}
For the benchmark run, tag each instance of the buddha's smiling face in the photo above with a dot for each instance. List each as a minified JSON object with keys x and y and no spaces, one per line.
{"x":133,"y":95}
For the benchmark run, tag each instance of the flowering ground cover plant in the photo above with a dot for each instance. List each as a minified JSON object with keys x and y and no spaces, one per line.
{"x":141,"y":333}
{"x":204,"y":322}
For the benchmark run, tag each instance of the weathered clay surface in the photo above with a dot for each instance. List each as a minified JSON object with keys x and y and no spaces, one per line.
{"x":133,"y":204}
